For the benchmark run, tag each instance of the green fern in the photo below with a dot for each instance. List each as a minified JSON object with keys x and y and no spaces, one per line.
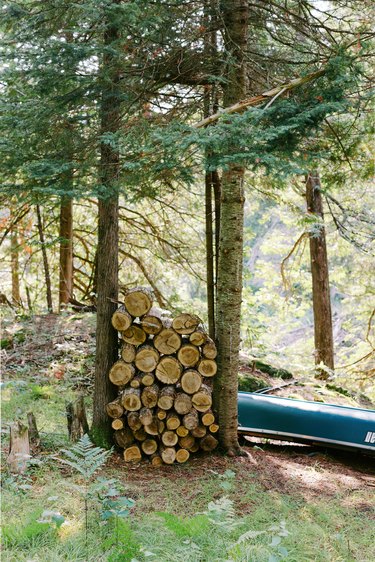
{"x":84,"y":457}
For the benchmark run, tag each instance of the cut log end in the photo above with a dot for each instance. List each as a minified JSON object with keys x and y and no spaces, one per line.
{"x":132,"y":454}
{"x":121,"y":320}
{"x":138,"y":301}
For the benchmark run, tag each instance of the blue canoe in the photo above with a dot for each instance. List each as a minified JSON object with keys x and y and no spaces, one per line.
{"x":287,"y":419}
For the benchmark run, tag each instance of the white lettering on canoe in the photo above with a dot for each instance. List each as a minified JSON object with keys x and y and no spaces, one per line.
{"x":370,"y":437}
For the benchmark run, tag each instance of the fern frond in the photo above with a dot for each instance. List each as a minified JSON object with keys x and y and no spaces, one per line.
{"x":84,"y":457}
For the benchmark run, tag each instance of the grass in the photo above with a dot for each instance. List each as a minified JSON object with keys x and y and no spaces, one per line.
{"x":325,"y":501}
{"x":318,"y":530}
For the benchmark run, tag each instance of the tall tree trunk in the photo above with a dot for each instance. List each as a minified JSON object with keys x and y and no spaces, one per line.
{"x":107,"y":264}
{"x":14,"y":258}
{"x":47,"y":274}
{"x":66,"y":252}
{"x":229,"y":290}
{"x":210,"y":273}
{"x":211,"y":177}
{"x":323,"y":330}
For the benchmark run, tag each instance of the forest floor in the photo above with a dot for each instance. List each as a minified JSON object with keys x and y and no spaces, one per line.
{"x":281,"y":502}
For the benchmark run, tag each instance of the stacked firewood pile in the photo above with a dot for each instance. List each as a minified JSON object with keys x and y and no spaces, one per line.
{"x":164,"y":376}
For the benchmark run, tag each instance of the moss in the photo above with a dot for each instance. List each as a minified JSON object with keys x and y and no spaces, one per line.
{"x":250,"y":383}
{"x":102,"y":436}
{"x":273,"y":371}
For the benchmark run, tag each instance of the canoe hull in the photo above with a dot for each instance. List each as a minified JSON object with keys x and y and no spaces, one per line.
{"x":302,"y":421}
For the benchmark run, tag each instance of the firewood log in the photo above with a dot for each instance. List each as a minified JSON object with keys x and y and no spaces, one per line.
{"x":167,"y":342}
{"x":161,"y":414}
{"x":188,"y":355}
{"x":140,"y":434}
{"x":185,"y":323}
{"x":191,"y":381}
{"x":191,"y":420}
{"x":214,"y":428}
{"x":121,"y":373}
{"x":202,"y":400}
{"x":152,"y":322}
{"x":195,"y":447}
{"x":182,"y":455}
{"x":173,"y":421}
{"x":134,"y":335}
{"x":161,"y":426}
{"x":182,"y":431}
{"x":134,"y":421}
{"x":132,"y":454}
{"x":145,"y":416}
{"x":208,"y":443}
{"x":156,"y":460}
{"x":153,"y":428}
{"x":199,"y":337}
{"x":138,"y":301}
{"x":169,"y":370}
{"x":168,"y":454}
{"x":169,"y":438}
{"x":182,"y":403}
{"x":148,"y":379}
{"x":136,"y":381}
{"x":131,"y":399}
{"x":121,"y":319}
{"x":117,"y":424}
{"x":166,"y":397}
{"x":208,"y":418}
{"x":124,"y":437}
{"x":207,"y":367}
{"x":186,"y":442}
{"x":150,"y":395}
{"x":199,"y":431}
{"x":149,"y":446}
{"x":209,"y":349}
{"x":114,"y":409}
{"x":146,"y":359}
{"x":128,"y":352}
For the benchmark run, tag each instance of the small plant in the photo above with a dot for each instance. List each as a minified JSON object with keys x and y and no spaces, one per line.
{"x":86,"y":459}
{"x":114,"y":505}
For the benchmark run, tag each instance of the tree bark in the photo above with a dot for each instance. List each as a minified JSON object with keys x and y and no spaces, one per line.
{"x":14,"y":257}
{"x":66,"y":252}
{"x":323,"y":330}
{"x":47,"y":274}
{"x":229,"y":289}
{"x":107,"y":265}
{"x":210,"y":274}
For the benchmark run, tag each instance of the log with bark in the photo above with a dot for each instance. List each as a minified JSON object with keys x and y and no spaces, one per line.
{"x":164,"y":376}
